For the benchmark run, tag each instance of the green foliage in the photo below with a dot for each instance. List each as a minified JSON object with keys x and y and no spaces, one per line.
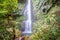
{"x":7,"y":11}
{"x":47,"y":25}
{"x":47,"y":29}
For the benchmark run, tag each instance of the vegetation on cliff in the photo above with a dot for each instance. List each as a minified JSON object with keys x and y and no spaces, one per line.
{"x":46,"y":23}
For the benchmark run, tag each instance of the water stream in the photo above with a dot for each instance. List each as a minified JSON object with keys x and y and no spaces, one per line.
{"x":28,"y":21}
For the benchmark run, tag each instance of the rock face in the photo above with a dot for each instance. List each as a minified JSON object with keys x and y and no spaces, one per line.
{"x":21,"y":1}
{"x":42,"y":9}
{"x":44,"y":5}
{"x":57,"y":12}
{"x":40,"y":6}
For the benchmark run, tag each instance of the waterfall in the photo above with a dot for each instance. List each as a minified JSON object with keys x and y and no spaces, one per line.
{"x":28,"y":22}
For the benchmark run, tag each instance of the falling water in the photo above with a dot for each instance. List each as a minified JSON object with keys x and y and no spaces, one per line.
{"x":28,"y":21}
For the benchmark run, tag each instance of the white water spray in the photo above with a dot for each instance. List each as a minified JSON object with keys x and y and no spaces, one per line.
{"x":28,"y":22}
